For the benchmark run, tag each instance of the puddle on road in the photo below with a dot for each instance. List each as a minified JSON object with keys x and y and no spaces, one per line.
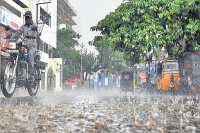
{"x":92,"y":114}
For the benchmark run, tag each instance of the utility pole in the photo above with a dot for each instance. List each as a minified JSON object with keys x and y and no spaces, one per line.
{"x":81,"y":62}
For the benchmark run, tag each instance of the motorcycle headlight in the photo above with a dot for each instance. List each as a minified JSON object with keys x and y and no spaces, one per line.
{"x":12,"y":45}
{"x":177,"y":81}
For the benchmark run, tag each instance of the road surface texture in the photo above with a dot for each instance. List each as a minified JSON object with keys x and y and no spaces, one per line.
{"x":99,"y":112}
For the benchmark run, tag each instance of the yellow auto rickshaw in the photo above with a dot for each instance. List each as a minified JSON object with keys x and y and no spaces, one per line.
{"x":168,"y":75}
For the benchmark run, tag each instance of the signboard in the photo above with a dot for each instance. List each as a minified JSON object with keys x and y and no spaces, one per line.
{"x":142,"y":77}
{"x":152,"y":67}
{"x":9,"y":18}
{"x":72,"y":81}
{"x":106,"y":81}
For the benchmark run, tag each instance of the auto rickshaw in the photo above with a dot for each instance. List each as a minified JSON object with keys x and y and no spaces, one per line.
{"x":127,"y":81}
{"x":168,"y":75}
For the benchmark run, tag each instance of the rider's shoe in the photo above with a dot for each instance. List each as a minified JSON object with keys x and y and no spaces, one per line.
{"x":38,"y":78}
{"x":31,"y":77}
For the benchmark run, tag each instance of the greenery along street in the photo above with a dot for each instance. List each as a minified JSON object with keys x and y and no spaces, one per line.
{"x":137,"y":27}
{"x":66,"y":43}
{"x":128,"y":33}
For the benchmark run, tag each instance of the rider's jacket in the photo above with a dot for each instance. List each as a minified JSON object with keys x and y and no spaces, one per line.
{"x":28,"y":33}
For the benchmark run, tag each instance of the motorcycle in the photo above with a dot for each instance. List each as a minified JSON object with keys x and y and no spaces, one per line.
{"x":14,"y":71}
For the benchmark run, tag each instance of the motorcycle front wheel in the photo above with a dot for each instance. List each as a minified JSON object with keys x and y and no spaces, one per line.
{"x":8,"y":82}
{"x":34,"y":85}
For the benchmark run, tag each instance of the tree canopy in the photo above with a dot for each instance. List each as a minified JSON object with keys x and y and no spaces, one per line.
{"x":137,"y":27}
{"x":66,"y":43}
{"x":108,"y":60}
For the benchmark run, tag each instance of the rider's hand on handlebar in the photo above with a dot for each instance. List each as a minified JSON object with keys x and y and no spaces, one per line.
{"x":33,"y":36}
{"x":29,"y":37}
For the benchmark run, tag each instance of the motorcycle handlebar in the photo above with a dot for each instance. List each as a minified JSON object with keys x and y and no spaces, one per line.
{"x":29,"y":37}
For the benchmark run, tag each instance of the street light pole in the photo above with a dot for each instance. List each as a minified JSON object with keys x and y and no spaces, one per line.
{"x":81,"y":67}
{"x":81,"y":62}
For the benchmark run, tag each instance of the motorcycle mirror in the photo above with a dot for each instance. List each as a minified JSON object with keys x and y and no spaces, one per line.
{"x":7,"y":27}
{"x":8,"y":37}
{"x":34,"y":28}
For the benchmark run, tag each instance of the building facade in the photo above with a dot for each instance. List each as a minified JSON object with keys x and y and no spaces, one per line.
{"x":65,"y":13}
{"x":46,"y":14}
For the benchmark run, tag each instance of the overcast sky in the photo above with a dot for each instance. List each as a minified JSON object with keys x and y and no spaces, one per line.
{"x":89,"y":13}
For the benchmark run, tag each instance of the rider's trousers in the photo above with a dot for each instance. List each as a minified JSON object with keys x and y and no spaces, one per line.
{"x":31,"y":44}
{"x":31,"y":55}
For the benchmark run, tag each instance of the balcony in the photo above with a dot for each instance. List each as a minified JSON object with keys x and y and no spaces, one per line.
{"x":22,"y":3}
{"x":48,"y":35}
{"x":44,"y":58}
{"x":72,"y":10}
{"x":66,"y":19}
{"x":67,"y":7}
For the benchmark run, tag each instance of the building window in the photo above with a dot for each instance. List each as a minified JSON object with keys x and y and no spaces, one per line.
{"x":45,"y":17}
{"x":46,"y":48}
{"x":50,"y":53}
{"x":48,"y":21}
{"x":41,"y":45}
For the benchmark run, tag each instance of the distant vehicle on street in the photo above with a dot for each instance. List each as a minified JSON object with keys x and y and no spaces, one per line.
{"x":168,"y":74}
{"x":127,"y":81}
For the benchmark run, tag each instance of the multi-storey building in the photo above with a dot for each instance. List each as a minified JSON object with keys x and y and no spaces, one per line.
{"x":65,"y":15}
{"x":46,"y":13}
{"x":11,"y":13}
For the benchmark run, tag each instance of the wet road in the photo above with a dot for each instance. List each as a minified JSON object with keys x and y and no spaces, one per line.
{"x":99,"y":111}
{"x":50,"y":97}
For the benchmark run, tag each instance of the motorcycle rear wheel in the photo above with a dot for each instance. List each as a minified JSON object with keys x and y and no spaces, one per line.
{"x":8,"y":84}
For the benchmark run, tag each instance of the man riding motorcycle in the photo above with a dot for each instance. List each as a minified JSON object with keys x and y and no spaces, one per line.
{"x":30,"y":41}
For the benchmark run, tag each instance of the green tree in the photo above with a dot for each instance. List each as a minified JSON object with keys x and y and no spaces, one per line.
{"x":118,"y":63}
{"x":136,"y":27}
{"x":66,"y":42}
{"x":88,"y":61}
{"x":71,"y":65}
{"x":108,"y":59}
{"x":67,"y":37}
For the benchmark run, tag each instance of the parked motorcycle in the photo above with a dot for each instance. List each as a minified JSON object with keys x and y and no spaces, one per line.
{"x":14,"y":71}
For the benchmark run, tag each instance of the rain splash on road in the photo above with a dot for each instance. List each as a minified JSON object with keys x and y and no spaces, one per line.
{"x":100,"y":111}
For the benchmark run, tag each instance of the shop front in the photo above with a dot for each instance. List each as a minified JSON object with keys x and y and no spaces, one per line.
{"x":9,"y":18}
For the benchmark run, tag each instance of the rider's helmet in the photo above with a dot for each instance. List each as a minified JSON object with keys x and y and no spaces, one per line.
{"x":28,"y":18}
